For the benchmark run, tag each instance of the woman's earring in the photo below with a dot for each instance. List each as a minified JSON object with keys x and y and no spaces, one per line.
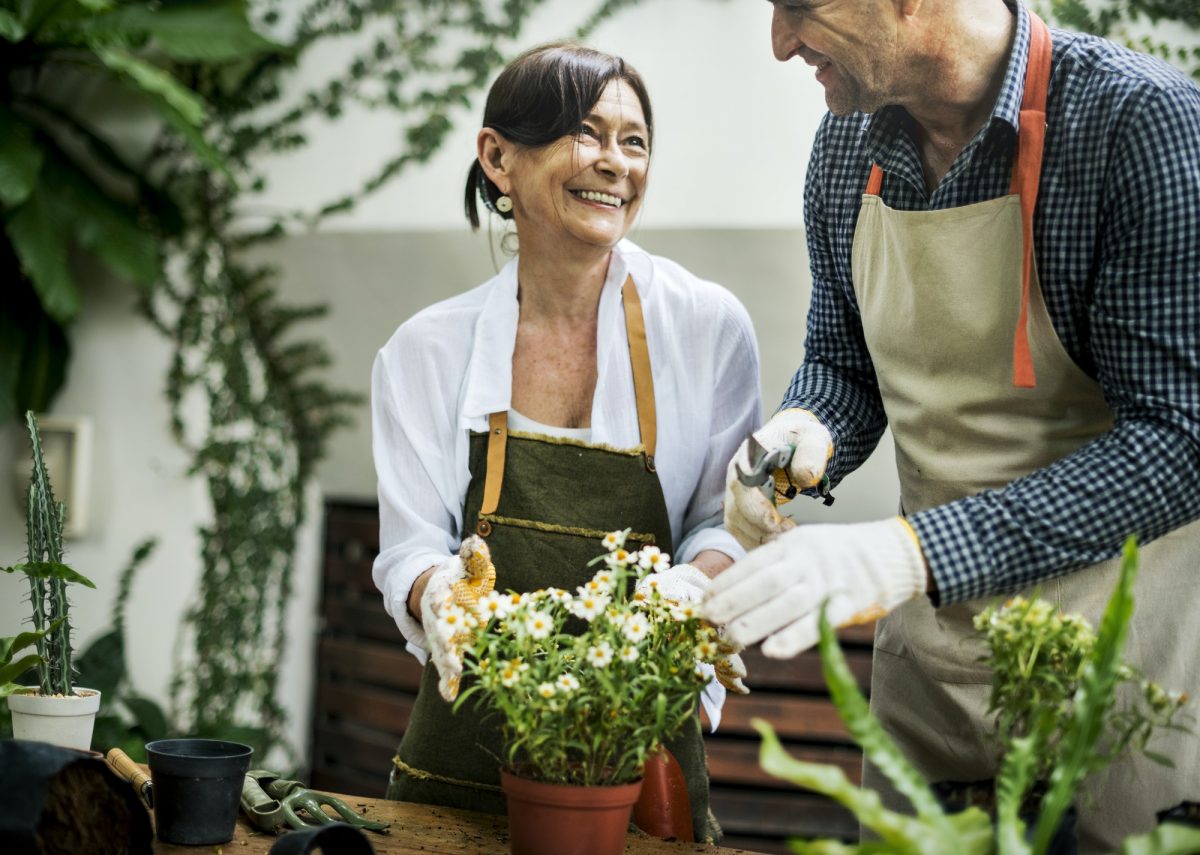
{"x":504,"y":204}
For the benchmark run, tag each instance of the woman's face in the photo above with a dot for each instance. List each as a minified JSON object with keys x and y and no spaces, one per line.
{"x":588,"y":187}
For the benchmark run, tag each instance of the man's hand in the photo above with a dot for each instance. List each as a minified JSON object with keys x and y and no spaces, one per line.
{"x":437,"y":596}
{"x":750,"y":516}
{"x":864,"y":570}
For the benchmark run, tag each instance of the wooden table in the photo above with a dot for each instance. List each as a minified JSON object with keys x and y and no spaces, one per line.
{"x":428,"y":830}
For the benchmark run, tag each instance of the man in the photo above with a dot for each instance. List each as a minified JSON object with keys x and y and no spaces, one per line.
{"x":1026,"y":317}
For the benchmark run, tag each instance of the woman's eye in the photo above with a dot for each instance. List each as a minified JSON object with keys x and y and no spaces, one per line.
{"x":588,"y":131}
{"x":637,"y":142}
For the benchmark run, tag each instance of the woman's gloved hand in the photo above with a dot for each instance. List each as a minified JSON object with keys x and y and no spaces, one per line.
{"x":448,"y":606}
{"x":685,"y":583}
{"x":864,"y":570}
{"x":750,"y":516}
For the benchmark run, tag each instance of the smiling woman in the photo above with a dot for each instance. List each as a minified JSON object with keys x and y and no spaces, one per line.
{"x":627,"y":384}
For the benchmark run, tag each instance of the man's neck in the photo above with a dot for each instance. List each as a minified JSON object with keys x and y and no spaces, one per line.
{"x":962,"y":73}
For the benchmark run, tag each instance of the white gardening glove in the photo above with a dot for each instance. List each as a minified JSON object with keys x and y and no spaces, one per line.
{"x":750,"y":515}
{"x":448,"y":608}
{"x":864,"y":570}
{"x":685,"y":583}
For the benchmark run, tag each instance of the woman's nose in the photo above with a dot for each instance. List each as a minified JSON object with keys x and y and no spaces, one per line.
{"x":612,"y":160}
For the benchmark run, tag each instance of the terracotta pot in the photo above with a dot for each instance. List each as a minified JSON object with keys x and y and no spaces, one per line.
{"x":57,"y":719}
{"x":560,"y":819}
{"x":664,"y":808}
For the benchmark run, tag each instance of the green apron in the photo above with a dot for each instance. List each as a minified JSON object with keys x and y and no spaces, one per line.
{"x":543,"y":504}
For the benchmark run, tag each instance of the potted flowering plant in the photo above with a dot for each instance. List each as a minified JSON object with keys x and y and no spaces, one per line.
{"x":54,"y":710}
{"x":586,"y":684}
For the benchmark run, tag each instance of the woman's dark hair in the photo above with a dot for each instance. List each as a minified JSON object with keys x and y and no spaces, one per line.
{"x":542,"y":96}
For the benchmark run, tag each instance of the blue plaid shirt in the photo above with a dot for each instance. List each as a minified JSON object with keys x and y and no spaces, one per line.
{"x":1117,"y":238}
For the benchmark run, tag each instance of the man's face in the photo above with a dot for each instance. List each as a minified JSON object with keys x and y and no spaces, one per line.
{"x":851,"y":43}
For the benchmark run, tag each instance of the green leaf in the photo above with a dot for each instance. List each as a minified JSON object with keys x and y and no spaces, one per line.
{"x":9,"y":646}
{"x":209,"y":32}
{"x":155,"y":82}
{"x":149,"y":717}
{"x":41,"y":244}
{"x":11,"y":27}
{"x":49,"y":570}
{"x":102,"y":665}
{"x":20,"y":159}
{"x":10,"y":672}
{"x":1092,"y":701}
{"x":1170,"y":838}
{"x":33,"y":350}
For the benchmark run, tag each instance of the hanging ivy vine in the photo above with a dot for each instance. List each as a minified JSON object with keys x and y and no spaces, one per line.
{"x":246,"y":395}
{"x":1121,"y":20}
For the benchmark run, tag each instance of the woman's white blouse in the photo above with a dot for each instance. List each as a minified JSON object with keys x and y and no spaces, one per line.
{"x":446,"y":369}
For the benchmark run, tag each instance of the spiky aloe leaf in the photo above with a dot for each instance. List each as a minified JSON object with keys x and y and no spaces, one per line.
{"x":869,"y":734}
{"x":1091,"y":703}
{"x":1170,"y":838}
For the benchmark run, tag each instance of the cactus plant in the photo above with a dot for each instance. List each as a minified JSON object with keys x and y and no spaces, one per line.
{"x":48,"y":576}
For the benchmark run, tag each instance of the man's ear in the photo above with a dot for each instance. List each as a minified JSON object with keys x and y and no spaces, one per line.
{"x":495,"y":156}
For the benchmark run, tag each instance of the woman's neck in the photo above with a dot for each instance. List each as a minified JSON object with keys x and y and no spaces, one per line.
{"x":558,"y":288}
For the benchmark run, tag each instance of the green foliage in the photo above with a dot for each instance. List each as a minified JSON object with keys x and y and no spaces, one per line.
{"x":63,"y":186}
{"x":48,"y":579}
{"x":1121,"y":19}
{"x":971,"y":832}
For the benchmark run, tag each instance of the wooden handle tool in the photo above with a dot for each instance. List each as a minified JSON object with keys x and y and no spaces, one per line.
{"x":123,"y":765}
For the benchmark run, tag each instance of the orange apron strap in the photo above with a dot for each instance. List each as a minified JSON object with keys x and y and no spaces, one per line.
{"x":875,"y":182}
{"x":643,"y":379}
{"x":1027,"y":173}
{"x":497,"y":445}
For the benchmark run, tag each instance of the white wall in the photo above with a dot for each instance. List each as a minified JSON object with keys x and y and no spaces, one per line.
{"x":733,"y":131}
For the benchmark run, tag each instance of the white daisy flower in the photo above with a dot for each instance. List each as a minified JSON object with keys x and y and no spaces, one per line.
{"x":538,"y":624}
{"x":684,"y":611}
{"x":636,"y":628}
{"x":495,"y":605}
{"x":618,"y":557}
{"x":614,"y":540}
{"x":600,"y":655}
{"x":629,"y":653}
{"x":653,"y":558}
{"x":510,"y":676}
{"x":567,"y":683}
{"x":546,"y":690}
{"x":452,"y":620}
{"x":588,"y":606}
{"x":707,"y":650}
{"x":604,"y":580}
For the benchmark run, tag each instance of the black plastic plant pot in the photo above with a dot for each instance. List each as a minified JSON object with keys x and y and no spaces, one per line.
{"x":197,"y":788}
{"x":956,"y":796}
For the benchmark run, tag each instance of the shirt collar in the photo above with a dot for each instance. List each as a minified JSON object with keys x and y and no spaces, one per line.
{"x":885,"y":133}
{"x":488,"y":385}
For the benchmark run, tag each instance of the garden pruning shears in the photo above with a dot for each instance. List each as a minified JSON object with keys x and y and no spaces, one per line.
{"x":769,"y":472}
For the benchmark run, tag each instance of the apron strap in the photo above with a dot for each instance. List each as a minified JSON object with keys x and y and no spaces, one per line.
{"x":643,"y":378}
{"x":643,"y":387}
{"x":1027,"y":173}
{"x":1026,"y":177}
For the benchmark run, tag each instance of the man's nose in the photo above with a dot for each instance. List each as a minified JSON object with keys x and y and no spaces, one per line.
{"x":784,"y":36}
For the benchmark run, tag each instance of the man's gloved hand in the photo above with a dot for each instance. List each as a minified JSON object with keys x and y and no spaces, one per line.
{"x":448,"y":608}
{"x":685,"y":583}
{"x":750,"y":516}
{"x":864,"y":570}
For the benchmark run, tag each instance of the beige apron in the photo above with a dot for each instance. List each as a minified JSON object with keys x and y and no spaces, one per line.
{"x":941,"y":294}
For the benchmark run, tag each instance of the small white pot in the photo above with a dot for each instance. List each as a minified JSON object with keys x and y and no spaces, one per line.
{"x":57,"y":719}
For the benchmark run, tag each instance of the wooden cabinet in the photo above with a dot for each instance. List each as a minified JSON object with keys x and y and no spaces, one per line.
{"x":367,"y":683}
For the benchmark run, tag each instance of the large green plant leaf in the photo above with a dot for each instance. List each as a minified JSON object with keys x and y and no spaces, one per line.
{"x":20,"y":160}
{"x":11,"y":27}
{"x":216,"y":31}
{"x":182,"y":109}
{"x":13,"y":670}
{"x":41,"y":243}
{"x":34,"y":350}
{"x":102,"y":665}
